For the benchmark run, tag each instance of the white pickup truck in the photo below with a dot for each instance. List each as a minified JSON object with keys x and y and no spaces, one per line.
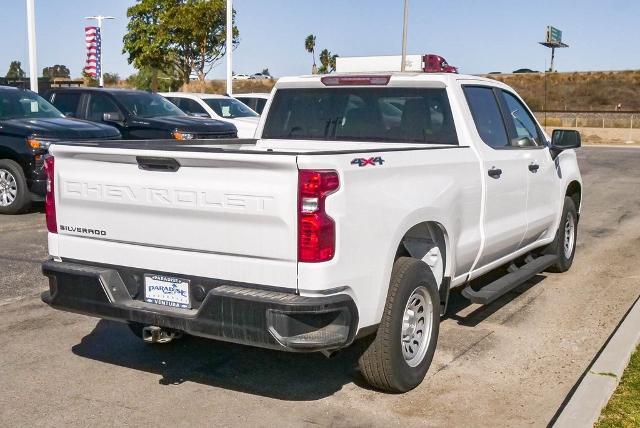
{"x":364,"y":200}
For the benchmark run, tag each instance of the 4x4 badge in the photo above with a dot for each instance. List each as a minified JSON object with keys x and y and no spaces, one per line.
{"x":370,"y":161}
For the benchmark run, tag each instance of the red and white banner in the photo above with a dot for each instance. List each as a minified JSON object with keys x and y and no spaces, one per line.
{"x":94,"y":46}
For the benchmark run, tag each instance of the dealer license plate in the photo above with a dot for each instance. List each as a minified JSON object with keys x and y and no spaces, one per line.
{"x":167,"y":291}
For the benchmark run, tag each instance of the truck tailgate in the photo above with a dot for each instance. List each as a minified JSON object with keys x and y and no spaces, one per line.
{"x":228,"y":213}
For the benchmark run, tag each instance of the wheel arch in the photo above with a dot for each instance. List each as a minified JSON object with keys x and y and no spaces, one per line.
{"x":574,"y":191}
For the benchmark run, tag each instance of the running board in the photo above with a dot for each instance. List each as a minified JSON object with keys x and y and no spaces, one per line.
{"x":503,"y":285}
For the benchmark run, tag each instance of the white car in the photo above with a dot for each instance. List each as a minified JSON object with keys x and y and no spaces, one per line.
{"x":220,"y":107}
{"x":365,"y":199}
{"x":256,"y":101}
{"x":241,"y":77}
{"x":260,"y":76}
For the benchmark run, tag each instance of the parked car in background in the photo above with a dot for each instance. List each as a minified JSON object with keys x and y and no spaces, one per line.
{"x":28,"y":124}
{"x":220,"y":107}
{"x":138,"y":115}
{"x":260,"y":76}
{"x":241,"y":77}
{"x":255,"y":101}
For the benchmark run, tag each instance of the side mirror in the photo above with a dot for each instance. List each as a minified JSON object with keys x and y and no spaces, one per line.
{"x":523,"y":142}
{"x":563,"y":139}
{"x":112,"y":117}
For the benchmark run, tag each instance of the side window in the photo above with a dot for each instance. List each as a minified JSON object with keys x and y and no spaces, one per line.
{"x":260,"y":103}
{"x":486,"y":115}
{"x":191,"y":107}
{"x":100,"y":104}
{"x":525,"y":126}
{"x":67,"y":102}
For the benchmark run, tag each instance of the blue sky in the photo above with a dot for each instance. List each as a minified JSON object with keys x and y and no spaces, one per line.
{"x":477,"y":36}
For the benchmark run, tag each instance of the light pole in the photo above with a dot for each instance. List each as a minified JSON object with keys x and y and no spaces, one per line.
{"x":229,"y":47}
{"x":31,"y":35}
{"x":100,"y":18}
{"x":404,"y":35}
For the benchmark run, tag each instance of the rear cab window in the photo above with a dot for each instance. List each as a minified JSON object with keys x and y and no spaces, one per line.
{"x":390,"y":114}
{"x":66,"y":102}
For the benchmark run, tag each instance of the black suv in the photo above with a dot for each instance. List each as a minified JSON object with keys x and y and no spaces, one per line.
{"x":138,"y":115}
{"x":28,"y":124}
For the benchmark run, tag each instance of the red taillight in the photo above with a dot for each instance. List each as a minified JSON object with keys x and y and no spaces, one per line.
{"x":316,"y":230}
{"x":355,"y":80}
{"x":50,"y":200}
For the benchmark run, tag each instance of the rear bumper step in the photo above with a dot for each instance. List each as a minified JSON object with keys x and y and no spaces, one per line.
{"x":502,"y":286}
{"x":252,"y":316}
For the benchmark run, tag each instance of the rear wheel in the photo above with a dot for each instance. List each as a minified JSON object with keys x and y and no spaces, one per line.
{"x":14,"y":194}
{"x":400,"y":355}
{"x":564,"y":244}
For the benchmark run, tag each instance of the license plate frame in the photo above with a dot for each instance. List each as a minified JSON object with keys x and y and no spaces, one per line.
{"x":169,"y":291}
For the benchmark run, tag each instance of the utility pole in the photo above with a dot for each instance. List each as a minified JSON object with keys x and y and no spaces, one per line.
{"x":229,"y":47}
{"x":100,"y":18}
{"x":31,"y":35}
{"x":404,"y":35}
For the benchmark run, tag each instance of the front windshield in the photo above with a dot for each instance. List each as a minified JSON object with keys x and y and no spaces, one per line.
{"x":145,"y":104}
{"x":21,"y":104}
{"x":229,"y":108}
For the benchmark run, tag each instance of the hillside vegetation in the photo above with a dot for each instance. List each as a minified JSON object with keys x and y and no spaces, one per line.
{"x":597,"y":90}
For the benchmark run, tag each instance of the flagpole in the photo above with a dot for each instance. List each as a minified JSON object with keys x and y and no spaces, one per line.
{"x":229,"y":47}
{"x":31,"y":35}
{"x":100,"y":18}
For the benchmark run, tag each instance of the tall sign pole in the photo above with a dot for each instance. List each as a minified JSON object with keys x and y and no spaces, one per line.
{"x":100,"y":18}
{"x":404,"y":35}
{"x":31,"y":35}
{"x":229,"y":47}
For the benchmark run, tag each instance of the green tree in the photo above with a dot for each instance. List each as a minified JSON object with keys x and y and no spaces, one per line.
{"x":146,"y":42}
{"x":327,"y":62}
{"x":143,"y":81}
{"x":310,"y":46}
{"x":111,"y":79}
{"x":89,"y":80}
{"x":197,"y":32}
{"x":15,"y":71}
{"x":57,"y":70}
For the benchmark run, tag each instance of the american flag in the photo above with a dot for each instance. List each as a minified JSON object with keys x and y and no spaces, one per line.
{"x":94,"y":49}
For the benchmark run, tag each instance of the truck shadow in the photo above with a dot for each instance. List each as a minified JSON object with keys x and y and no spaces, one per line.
{"x":274,"y":374}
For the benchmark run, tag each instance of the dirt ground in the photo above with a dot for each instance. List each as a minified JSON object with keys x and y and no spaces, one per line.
{"x":511,"y":363}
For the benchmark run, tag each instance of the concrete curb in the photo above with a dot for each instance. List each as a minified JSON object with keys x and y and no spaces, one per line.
{"x":602,"y":377}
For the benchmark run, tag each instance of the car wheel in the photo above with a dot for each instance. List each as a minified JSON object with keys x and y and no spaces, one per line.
{"x":399,"y":357}
{"x":14,"y":194}
{"x":564,"y":244}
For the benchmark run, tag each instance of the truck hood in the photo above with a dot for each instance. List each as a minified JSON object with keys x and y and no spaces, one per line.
{"x":187,"y":124}
{"x":59,"y":128}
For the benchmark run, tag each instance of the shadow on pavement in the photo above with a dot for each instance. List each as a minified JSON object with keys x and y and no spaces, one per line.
{"x":274,"y":374}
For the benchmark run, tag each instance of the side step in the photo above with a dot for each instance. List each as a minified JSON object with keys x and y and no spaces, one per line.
{"x":503,"y":285}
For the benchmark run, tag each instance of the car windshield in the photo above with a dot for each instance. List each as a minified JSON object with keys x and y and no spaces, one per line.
{"x":229,"y":108}
{"x":21,"y":104}
{"x":145,"y":104}
{"x":409,"y":115}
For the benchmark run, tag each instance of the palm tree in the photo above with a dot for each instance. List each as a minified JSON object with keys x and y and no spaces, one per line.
{"x":310,"y":46}
{"x":325,"y":61}
{"x":332,"y":62}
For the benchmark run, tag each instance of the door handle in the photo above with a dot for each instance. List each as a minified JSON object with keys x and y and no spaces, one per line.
{"x":157,"y":164}
{"x":495,"y":172}
{"x":533,"y":167}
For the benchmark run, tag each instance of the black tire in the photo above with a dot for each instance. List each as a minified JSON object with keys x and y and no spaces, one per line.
{"x":22,"y":199}
{"x":383,"y":364}
{"x":557,"y":247}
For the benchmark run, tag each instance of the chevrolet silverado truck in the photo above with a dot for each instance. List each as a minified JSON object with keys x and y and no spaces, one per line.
{"x":364,"y":200}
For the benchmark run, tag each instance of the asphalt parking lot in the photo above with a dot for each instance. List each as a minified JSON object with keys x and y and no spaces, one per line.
{"x":511,"y":363}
